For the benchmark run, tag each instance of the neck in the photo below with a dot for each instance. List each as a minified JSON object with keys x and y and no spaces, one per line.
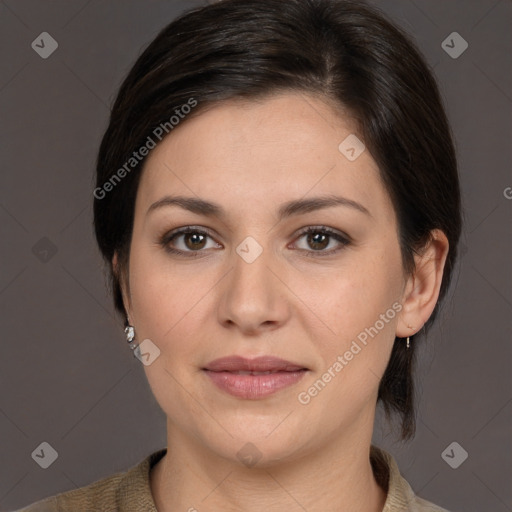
{"x":337,"y":476}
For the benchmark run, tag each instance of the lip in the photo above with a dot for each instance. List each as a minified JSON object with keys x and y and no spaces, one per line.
{"x":224,"y":373}
{"x":257,"y":364}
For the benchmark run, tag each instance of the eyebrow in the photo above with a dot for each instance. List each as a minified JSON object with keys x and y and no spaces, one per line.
{"x":288,"y":209}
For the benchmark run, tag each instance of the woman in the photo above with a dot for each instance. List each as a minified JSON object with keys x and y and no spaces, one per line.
{"x":278,"y":203}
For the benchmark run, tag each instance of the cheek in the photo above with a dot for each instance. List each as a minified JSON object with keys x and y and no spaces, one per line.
{"x":167,"y":306}
{"x":364,"y":290}
{"x":164,"y":295}
{"x":361,"y":320}
{"x":353,"y":358}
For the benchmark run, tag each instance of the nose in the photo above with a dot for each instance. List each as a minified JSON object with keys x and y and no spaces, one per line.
{"x":254,"y":297}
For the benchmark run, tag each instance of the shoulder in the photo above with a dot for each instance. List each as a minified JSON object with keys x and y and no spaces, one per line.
{"x":101,"y":493}
{"x":426,"y":506}
{"x":400,"y":495}
{"x":124,"y":491}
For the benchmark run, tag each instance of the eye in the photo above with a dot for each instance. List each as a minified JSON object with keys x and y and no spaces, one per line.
{"x":320,"y":238}
{"x":187,"y":240}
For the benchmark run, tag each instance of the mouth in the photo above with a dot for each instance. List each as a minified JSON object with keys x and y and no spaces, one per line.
{"x":262,"y":364}
{"x":253,"y":379}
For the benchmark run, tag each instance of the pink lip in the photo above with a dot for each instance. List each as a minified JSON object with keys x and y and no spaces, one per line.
{"x":253,"y":386}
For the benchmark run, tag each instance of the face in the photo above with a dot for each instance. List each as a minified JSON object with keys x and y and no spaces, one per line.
{"x":248,"y":280}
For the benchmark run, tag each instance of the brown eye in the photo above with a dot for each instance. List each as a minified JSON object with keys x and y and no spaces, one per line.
{"x":194,"y":241}
{"x":318,"y":239}
{"x":188,"y":241}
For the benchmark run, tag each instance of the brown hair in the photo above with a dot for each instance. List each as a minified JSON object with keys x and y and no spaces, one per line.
{"x":343,"y":50}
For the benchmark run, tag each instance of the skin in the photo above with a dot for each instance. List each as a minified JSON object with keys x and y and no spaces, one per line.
{"x":250,"y":157}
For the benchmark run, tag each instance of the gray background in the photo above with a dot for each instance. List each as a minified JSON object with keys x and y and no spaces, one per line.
{"x":67,"y":377}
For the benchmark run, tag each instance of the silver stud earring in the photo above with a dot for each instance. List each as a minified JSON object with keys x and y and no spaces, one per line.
{"x":129,"y":330}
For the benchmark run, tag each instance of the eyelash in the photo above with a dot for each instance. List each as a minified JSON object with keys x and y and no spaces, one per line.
{"x":342,"y":239}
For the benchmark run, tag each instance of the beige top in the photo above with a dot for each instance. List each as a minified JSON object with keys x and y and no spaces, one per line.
{"x":130,"y":491}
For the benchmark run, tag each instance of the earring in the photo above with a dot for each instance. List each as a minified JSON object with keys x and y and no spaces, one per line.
{"x":130,"y":336}
{"x":408,"y":336}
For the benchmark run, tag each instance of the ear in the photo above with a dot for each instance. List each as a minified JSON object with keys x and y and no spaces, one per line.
{"x":122,"y":284}
{"x":422,"y":287}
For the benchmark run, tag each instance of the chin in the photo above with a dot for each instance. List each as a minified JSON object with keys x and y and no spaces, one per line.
{"x":260,"y":444}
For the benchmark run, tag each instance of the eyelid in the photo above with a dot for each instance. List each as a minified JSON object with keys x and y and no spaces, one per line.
{"x":325,"y":229}
{"x":342,"y":238}
{"x":169,"y":236}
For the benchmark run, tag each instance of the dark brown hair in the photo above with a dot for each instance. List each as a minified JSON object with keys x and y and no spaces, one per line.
{"x":343,"y":50}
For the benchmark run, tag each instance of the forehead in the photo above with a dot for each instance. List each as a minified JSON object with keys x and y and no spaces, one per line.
{"x":261,"y":151}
